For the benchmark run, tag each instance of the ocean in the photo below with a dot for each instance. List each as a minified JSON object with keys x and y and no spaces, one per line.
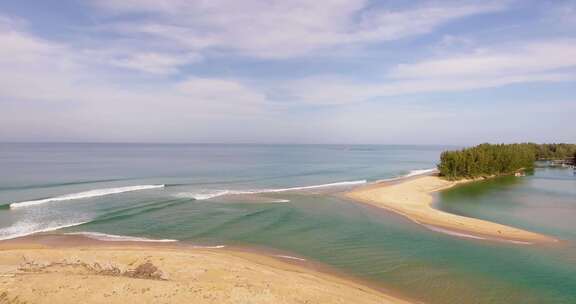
{"x":286,"y":198}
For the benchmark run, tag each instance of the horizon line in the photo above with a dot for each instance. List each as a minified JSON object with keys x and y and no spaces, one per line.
{"x":270,"y":143}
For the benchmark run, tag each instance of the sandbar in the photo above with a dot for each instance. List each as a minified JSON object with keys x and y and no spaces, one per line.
{"x":413,"y":199}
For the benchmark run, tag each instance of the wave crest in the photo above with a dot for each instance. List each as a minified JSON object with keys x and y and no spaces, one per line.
{"x":85,"y":194}
{"x":420,"y":172}
{"x":25,"y":229}
{"x":208,"y":194}
{"x":410,"y":174}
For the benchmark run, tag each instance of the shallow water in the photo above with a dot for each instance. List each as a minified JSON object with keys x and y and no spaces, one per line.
{"x":313,"y":223}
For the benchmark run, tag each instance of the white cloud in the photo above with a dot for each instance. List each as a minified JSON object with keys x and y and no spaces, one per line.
{"x":338,"y":91}
{"x":562,"y":13}
{"x":54,"y":87}
{"x":135,"y":85}
{"x":451,"y":43}
{"x":548,"y":61}
{"x":30,"y":66}
{"x":527,"y":58}
{"x":36,"y":69}
{"x":219,"y":90}
{"x":21,"y":48}
{"x":280,"y":29}
{"x":431,"y":123}
{"x":154,"y":63}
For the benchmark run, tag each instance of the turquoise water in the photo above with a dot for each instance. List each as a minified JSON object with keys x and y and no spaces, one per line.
{"x":312,"y":223}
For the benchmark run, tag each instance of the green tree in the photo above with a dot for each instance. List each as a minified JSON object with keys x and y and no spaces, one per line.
{"x":489,"y":159}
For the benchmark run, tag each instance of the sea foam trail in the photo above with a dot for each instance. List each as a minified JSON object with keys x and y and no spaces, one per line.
{"x":208,"y":194}
{"x":17,"y":231}
{"x":420,"y":172}
{"x":453,"y":233}
{"x":208,"y":247}
{"x":470,"y":236}
{"x":86,"y":194}
{"x":118,"y":238}
{"x":410,"y":174}
{"x":290,"y":257}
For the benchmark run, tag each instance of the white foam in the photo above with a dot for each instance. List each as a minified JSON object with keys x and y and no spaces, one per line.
{"x":330,"y":185}
{"x":409,"y":174}
{"x":290,"y":257}
{"x":464,"y":235}
{"x":208,"y":194}
{"x":453,"y":233}
{"x":16,"y":231}
{"x":420,"y":172}
{"x":86,"y":194}
{"x":209,"y":247}
{"x":280,"y":201}
{"x":518,"y":242}
{"x":118,"y":238}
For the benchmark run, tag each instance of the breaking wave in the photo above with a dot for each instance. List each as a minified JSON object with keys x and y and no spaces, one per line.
{"x":410,"y":174}
{"x":85,"y":194}
{"x":25,"y":229}
{"x":420,"y":172}
{"x":208,"y":194}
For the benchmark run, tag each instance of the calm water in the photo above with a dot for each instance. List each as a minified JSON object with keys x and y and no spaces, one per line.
{"x":312,"y":223}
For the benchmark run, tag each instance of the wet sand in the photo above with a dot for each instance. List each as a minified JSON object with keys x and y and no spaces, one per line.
{"x":88,"y":271}
{"x":413,"y":199}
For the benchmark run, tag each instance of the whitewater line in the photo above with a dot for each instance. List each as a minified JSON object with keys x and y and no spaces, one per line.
{"x":22,"y":234}
{"x":204,"y":195}
{"x":85,"y":194}
{"x":412,"y":173}
{"x":209,"y":194}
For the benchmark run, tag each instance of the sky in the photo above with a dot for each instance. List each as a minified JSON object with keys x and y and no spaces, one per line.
{"x":277,"y":71}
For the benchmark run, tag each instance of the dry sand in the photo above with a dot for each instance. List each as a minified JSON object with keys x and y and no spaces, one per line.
{"x":36,"y":273}
{"x":413,"y":198}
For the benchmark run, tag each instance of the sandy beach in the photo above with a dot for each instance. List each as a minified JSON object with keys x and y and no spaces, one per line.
{"x":104,"y":272}
{"x":413,"y":199}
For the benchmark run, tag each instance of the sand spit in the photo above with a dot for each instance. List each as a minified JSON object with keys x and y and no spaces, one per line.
{"x":413,"y":198}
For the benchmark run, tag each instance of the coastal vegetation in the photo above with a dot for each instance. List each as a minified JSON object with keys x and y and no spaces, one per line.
{"x":554,"y":151}
{"x":489,"y":159}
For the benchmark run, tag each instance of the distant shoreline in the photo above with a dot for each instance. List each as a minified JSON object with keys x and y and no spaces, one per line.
{"x":75,"y":269}
{"x":412,"y":198}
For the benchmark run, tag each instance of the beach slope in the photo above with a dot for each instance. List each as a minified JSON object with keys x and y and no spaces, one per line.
{"x":32,"y":273}
{"x":413,"y":198}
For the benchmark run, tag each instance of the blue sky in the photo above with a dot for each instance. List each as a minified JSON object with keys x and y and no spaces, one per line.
{"x":332,"y":71}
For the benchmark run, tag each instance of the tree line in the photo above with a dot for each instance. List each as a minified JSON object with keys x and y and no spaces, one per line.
{"x":489,"y":159}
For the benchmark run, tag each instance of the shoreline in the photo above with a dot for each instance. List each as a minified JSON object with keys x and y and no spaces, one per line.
{"x":73,"y":269}
{"x":412,"y":198}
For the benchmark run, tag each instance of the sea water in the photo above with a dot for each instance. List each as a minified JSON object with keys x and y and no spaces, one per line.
{"x":285,"y":197}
